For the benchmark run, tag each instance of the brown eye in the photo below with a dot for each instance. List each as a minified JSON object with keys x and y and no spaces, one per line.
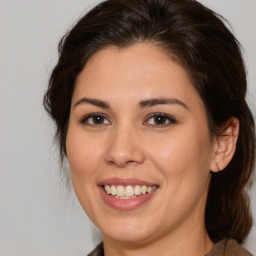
{"x":95,"y":119}
{"x":160,"y":120}
{"x":98,"y":120}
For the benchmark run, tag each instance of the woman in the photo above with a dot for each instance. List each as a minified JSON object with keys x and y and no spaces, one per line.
{"x":148,"y":97}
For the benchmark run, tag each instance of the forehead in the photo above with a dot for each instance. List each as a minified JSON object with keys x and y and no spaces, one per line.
{"x":137,"y":72}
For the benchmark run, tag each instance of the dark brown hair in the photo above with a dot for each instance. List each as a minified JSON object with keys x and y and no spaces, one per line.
{"x":205,"y":47}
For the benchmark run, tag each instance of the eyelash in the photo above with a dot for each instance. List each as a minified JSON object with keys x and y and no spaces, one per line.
{"x":171,"y":120}
{"x":85,"y":119}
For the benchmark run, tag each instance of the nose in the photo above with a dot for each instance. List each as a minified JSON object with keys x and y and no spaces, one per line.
{"x":124,"y":147}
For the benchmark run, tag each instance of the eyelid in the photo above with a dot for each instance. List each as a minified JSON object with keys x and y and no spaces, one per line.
{"x":170,"y":118}
{"x":86,"y":117}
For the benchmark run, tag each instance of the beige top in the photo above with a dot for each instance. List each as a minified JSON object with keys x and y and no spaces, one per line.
{"x":225,"y":247}
{"x":228,"y":247}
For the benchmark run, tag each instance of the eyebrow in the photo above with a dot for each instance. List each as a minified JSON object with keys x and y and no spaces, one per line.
{"x":142,"y":104}
{"x":95,"y":102}
{"x":161,"y":101}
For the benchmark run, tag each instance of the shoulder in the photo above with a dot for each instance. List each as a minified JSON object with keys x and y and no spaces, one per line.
{"x":225,"y":247}
{"x":234,"y":248}
{"x":228,"y":247}
{"x":98,"y":251}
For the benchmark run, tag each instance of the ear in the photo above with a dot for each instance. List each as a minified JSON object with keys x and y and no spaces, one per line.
{"x":225,"y":145}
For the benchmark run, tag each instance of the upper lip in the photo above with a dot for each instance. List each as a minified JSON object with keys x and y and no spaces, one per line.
{"x":125,"y":182}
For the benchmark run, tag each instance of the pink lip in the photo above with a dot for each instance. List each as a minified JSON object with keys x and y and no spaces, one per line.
{"x":125,"y":204}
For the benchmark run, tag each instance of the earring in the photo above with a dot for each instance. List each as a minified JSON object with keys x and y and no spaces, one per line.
{"x":218,"y":167}
{"x":220,"y":150}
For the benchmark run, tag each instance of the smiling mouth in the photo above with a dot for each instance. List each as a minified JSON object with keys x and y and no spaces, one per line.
{"x":127,"y":192}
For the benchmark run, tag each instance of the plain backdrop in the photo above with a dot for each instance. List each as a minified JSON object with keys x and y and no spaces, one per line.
{"x":39,"y":216}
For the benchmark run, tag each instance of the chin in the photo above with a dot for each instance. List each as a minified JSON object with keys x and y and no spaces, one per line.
{"x":129,"y":237}
{"x":128,"y":231}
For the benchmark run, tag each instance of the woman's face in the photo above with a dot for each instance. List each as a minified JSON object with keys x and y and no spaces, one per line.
{"x":138,"y":130}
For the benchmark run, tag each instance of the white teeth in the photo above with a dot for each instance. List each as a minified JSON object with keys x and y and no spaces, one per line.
{"x":144,"y":190}
{"x":137,"y":190}
{"x":108,"y":189}
{"x":125,"y":197}
{"x":149,"y":189}
{"x":120,"y":190}
{"x":127,"y":192}
{"x":113,"y":190}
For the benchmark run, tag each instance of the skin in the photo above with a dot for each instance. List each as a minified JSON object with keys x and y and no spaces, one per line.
{"x":178,"y":156}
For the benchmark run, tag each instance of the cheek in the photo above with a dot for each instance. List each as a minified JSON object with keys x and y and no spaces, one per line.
{"x":184,"y":163}
{"x":83,"y":158}
{"x":81,"y":153}
{"x":185,"y":154}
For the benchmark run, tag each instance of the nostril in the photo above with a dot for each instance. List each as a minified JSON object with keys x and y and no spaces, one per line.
{"x":122,"y":164}
{"x":118,"y":163}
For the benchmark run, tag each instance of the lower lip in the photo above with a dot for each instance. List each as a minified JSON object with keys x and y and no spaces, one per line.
{"x":125,"y":204}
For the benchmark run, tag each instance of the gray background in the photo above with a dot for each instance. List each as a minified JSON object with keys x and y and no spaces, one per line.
{"x":38,"y":216}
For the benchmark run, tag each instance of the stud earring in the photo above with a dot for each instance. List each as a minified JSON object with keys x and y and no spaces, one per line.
{"x":220,"y":150}
{"x":218,"y":167}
